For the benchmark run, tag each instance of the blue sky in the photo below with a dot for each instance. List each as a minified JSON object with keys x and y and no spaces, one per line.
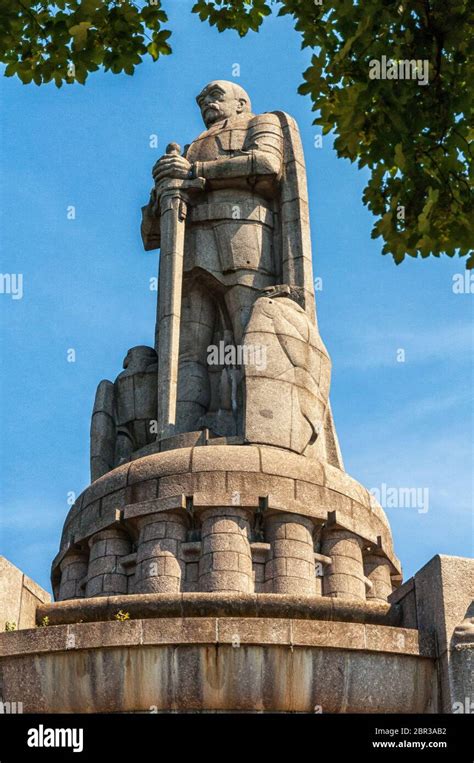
{"x":86,"y":287}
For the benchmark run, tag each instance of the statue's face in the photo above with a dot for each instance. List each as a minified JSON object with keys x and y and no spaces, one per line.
{"x":218,"y":102}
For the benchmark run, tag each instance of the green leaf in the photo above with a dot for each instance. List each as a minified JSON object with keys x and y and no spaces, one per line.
{"x":79,"y":33}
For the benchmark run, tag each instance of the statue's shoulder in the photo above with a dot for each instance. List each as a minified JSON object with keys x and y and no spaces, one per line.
{"x":278,"y":122}
{"x":287,"y":123}
{"x":291,"y":136}
{"x":268,"y":120}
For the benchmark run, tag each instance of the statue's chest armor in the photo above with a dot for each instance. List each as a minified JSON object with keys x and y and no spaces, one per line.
{"x":223,"y":143}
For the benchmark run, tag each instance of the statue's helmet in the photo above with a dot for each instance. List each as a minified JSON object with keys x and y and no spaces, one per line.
{"x":140,"y":357}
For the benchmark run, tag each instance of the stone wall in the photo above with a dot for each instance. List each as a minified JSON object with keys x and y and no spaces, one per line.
{"x":19,"y":597}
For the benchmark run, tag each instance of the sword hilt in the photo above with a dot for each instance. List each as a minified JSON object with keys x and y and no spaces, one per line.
{"x":174,"y":149}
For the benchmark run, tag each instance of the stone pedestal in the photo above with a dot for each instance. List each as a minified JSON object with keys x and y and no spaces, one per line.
{"x":234,"y":652}
{"x":223,"y":518}
{"x":251,"y":652}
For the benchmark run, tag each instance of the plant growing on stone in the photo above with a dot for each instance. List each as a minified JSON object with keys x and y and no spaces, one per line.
{"x":10,"y":626}
{"x":121,"y":616}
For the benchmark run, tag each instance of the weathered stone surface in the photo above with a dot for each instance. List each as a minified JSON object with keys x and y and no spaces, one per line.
{"x":19,"y":597}
{"x":345,"y":575}
{"x":257,"y":568}
{"x":228,"y":458}
{"x":123,"y":412}
{"x":230,"y":663}
{"x":217,"y":604}
{"x":160,"y":465}
{"x":159,"y":566}
{"x":105,"y":576}
{"x":438,"y":602}
{"x":284,"y":403}
{"x":232,"y":488}
{"x":377,"y":570}
{"x":228,"y":569}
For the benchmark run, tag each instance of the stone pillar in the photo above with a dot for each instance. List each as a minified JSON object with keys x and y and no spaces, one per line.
{"x":73,"y":569}
{"x":377,"y":570}
{"x":105,"y":577}
{"x":290,"y":568}
{"x":226,"y":560}
{"x":159,"y":564}
{"x":344,"y":577}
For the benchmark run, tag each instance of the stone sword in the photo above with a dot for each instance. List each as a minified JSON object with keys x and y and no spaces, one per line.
{"x":172,"y":196}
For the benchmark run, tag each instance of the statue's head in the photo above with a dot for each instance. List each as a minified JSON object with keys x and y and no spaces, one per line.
{"x":139,"y":358}
{"x":222,"y":100}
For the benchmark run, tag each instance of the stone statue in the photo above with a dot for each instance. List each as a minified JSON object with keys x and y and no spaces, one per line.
{"x":231,"y":218}
{"x":124,"y":412}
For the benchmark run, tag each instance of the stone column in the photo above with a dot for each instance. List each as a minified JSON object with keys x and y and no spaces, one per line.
{"x":290,"y":568}
{"x":159,"y":564}
{"x":226,"y":560}
{"x":105,"y":577}
{"x":344,"y":577}
{"x":377,"y":570}
{"x":73,"y":569}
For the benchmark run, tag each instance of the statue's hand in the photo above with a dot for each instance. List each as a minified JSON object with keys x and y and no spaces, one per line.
{"x":171,"y":166}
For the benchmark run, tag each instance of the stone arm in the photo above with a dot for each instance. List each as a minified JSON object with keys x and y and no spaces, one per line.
{"x":260,"y":161}
{"x":262,"y":155}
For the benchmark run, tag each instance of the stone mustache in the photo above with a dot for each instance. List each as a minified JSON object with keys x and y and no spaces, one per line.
{"x":230,"y":217}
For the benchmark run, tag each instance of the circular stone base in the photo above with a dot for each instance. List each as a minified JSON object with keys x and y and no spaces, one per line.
{"x":211,"y":664}
{"x":261,"y":480}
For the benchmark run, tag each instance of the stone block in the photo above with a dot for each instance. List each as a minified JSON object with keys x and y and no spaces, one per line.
{"x":226,"y":458}
{"x":299,"y":568}
{"x":225,"y":582}
{"x":115,"y":584}
{"x":142,"y":491}
{"x":444,"y":592}
{"x":113,"y":501}
{"x":261,"y":485}
{"x":224,"y":524}
{"x":117,"y":546}
{"x":160,"y":465}
{"x":19,"y":596}
{"x":293,"y":548}
{"x":101,"y":565}
{"x":95,"y":586}
{"x":221,"y":541}
{"x":192,"y":572}
{"x":225,"y":560}
{"x":176,"y":484}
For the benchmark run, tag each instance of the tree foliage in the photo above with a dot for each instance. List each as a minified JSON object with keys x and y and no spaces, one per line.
{"x":65,"y":40}
{"x":415,"y":138}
